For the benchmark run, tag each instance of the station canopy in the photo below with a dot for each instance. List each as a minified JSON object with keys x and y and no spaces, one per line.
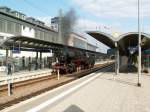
{"x":103,"y":37}
{"x":32,"y":44}
{"x":29,"y":44}
{"x":125,"y":41}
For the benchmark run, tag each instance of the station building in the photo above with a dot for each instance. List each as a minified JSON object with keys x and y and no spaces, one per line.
{"x":76,"y":38}
{"x":24,"y":29}
{"x":13,"y":23}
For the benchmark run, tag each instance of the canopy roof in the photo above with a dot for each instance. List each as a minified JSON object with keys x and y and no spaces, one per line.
{"x":124,"y":41}
{"x":131,"y":40}
{"x":33,"y":44}
{"x":103,"y":37}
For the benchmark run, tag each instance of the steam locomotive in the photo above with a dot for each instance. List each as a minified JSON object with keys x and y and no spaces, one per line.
{"x":70,"y":60}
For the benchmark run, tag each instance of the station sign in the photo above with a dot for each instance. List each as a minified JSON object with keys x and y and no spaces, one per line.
{"x":111,"y":51}
{"x":132,"y":50}
{"x":16,"y":50}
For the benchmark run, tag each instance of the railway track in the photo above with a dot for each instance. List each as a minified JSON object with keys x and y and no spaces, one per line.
{"x":27,"y":82}
{"x":39,"y":79}
{"x":22,"y":84}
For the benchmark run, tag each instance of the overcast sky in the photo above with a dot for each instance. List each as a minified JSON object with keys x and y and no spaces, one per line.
{"x":109,"y":16}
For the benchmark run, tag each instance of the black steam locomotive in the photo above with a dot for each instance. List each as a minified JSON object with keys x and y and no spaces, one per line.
{"x":70,"y":60}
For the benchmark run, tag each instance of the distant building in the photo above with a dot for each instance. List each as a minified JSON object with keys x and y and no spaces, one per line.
{"x":54,"y":23}
{"x":75,"y":39}
{"x":80,"y":41}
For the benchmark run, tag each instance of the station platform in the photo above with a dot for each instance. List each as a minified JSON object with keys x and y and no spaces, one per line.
{"x":23,"y":72}
{"x":23,"y":75}
{"x":102,"y":91}
{"x":108,"y":93}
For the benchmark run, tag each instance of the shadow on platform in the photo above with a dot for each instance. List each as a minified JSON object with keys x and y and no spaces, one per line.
{"x":73,"y":108}
{"x":125,"y":82}
{"x":121,"y":81}
{"x":128,"y":69}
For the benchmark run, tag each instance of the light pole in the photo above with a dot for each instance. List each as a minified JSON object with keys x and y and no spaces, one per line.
{"x":60,"y":27}
{"x":139,"y":46}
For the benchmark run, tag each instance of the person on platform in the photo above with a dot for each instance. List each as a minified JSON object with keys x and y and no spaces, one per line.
{"x":29,"y":64}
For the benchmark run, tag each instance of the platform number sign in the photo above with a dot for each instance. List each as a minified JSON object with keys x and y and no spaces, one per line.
{"x":132,"y":50}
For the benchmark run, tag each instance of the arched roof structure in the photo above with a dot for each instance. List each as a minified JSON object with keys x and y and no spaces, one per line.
{"x":124,"y":41}
{"x":130,"y":39}
{"x":105,"y":38}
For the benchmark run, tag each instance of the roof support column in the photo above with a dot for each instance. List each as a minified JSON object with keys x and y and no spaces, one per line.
{"x":117,"y":59}
{"x":60,"y":27}
{"x":36,"y":61}
{"x":7,"y":56}
{"x":41,"y":60}
{"x":139,"y":46}
{"x":9,"y":72}
{"x":11,"y":62}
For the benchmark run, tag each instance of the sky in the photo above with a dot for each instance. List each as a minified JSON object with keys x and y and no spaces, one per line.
{"x":110,"y":16}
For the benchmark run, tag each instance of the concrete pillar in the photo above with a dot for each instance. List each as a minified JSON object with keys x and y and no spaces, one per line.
{"x":116,"y":57}
{"x":36,"y":62}
{"x":148,"y":63}
{"x":60,"y":27}
{"x":10,"y":70}
{"x":11,"y":61}
{"x":118,"y":62}
{"x":139,"y":46}
{"x":10,"y":91}
{"x":41,"y":60}
{"x":36,"y":54}
{"x":7,"y":56}
{"x":58,"y":74}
